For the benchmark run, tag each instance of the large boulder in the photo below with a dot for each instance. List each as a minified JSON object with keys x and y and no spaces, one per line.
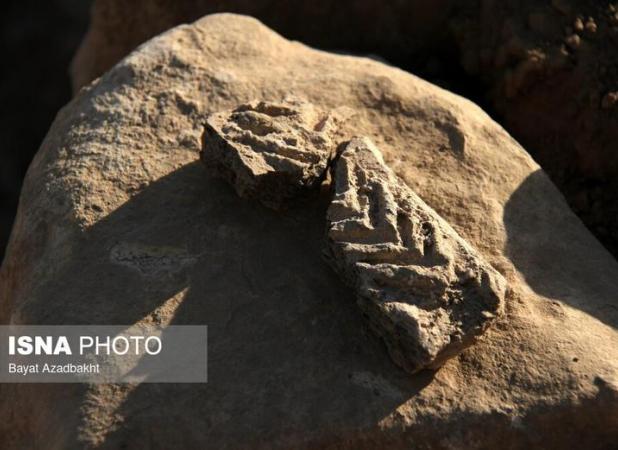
{"x":367,"y":26}
{"x":547,"y":69}
{"x":119,"y":223}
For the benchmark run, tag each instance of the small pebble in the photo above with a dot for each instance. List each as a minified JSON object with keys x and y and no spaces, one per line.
{"x":573,"y":41}
{"x":591,"y":26}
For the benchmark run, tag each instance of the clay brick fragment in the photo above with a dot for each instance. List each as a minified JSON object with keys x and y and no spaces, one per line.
{"x":425,"y":291}
{"x":270,"y":151}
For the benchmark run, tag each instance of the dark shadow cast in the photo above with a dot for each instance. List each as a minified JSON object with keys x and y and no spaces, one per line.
{"x":555,"y":253}
{"x":289,"y":354}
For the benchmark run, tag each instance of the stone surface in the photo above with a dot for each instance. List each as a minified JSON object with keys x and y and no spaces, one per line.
{"x":424,"y":290}
{"x":368,"y":26}
{"x":272,"y":152}
{"x":544,"y":77}
{"x":32,"y":35}
{"x":117,"y":186}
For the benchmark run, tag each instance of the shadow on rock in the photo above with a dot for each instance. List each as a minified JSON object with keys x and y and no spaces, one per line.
{"x":288,"y":349}
{"x":545,"y":244}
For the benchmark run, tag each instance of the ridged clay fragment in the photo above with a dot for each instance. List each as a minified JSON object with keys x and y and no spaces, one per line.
{"x":425,"y":291}
{"x":271,"y":151}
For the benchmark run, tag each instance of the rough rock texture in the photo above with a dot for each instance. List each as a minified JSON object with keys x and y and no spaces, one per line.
{"x":548,"y":69}
{"x":289,"y":363}
{"x":368,"y":26}
{"x":424,"y":290}
{"x":269,"y":151}
{"x":32,"y":35}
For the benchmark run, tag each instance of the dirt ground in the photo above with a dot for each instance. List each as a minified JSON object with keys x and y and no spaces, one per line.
{"x":550,"y":72}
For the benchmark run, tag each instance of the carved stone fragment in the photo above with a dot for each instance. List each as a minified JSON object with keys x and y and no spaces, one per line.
{"x":423,"y":288}
{"x":271,"y":151}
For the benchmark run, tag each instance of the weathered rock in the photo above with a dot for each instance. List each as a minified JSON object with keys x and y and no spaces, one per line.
{"x":290,"y":363}
{"x":46,"y":35}
{"x":402,"y":28}
{"x":424,"y":290}
{"x":549,"y":94}
{"x":271,"y":152}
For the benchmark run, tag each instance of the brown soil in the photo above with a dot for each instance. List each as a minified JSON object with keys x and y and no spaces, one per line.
{"x":551,"y":72}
